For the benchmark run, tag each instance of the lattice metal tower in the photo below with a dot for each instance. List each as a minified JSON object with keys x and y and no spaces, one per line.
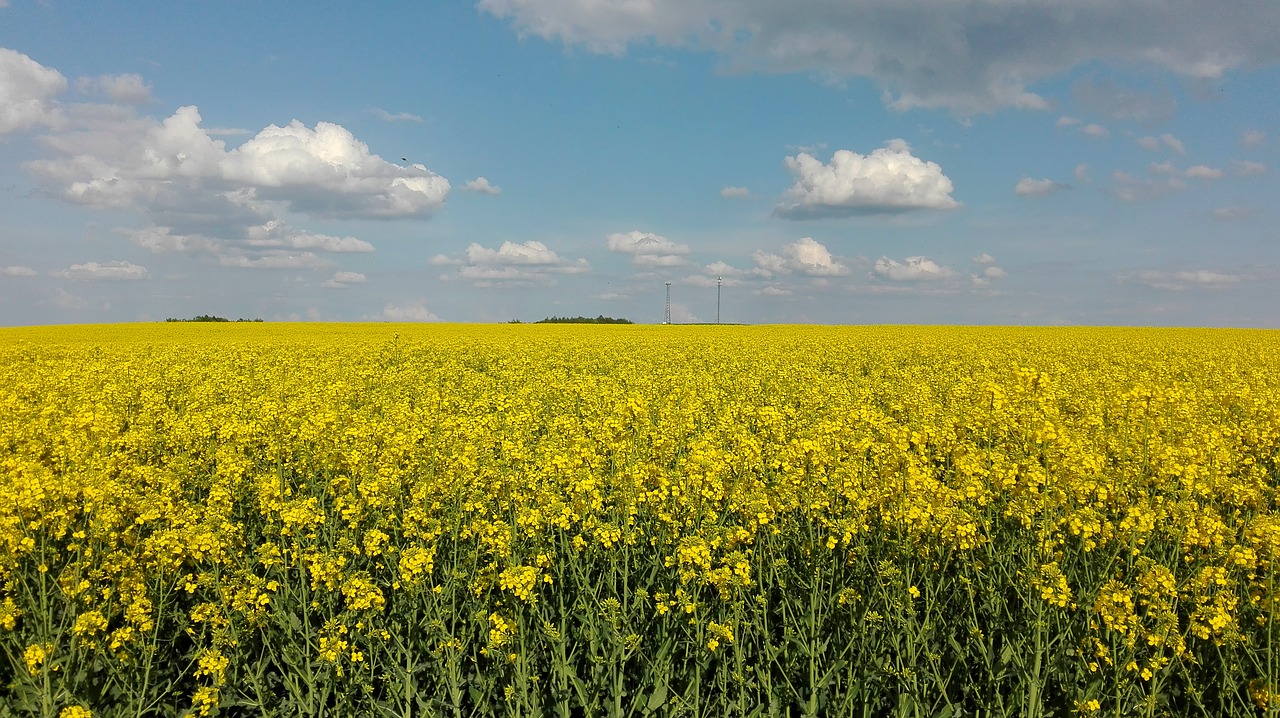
{"x":666,"y":316}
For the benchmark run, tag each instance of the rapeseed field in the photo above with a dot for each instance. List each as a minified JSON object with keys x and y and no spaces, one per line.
{"x":403,"y":520}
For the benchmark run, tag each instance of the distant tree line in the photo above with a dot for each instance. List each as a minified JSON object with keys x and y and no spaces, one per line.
{"x":210,"y":318}
{"x":581,"y":320}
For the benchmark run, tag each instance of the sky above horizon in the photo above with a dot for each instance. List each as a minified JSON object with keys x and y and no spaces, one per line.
{"x":828,"y":161}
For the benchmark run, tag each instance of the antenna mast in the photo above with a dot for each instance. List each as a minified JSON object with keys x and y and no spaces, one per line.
{"x":666,"y":317}
{"x":719,"y":281}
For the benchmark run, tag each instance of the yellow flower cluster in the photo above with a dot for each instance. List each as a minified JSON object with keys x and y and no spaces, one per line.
{"x":501,"y":631}
{"x":1128,"y":476}
{"x":35,"y":656}
{"x":520,"y":581}
{"x":719,"y":633}
{"x":1052,"y":585}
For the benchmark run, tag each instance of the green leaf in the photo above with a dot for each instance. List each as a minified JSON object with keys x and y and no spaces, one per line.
{"x":657,"y":698}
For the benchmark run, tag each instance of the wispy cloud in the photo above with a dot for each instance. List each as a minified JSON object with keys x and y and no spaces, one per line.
{"x":1096,"y":131}
{"x":109,"y":271}
{"x":1225,"y":214}
{"x":1180,"y":280}
{"x":985,"y":70}
{"x":1167,"y":141}
{"x":1028,"y":187}
{"x":394,"y":116}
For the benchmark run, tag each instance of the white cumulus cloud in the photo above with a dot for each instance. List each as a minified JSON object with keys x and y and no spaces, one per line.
{"x":127,"y":89}
{"x":724,"y":269}
{"x":481,"y":185}
{"x":325,"y":170}
{"x":176,"y":166}
{"x":643,"y":243}
{"x":888,"y":180}
{"x":200,"y":193}
{"x":647,"y":249}
{"x":342,"y":280}
{"x":911,"y":269}
{"x":805,"y":256}
{"x":1203,"y":172}
{"x":511,"y":253}
{"x":731,"y":191}
{"x":511,"y":263}
{"x":28,"y":92}
{"x":17,"y":271}
{"x":412,"y":312}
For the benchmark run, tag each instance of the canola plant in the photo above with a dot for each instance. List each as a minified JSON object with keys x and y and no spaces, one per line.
{"x":405,"y":520}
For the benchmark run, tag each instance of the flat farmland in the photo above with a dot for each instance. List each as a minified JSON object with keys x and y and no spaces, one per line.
{"x":467,"y":520}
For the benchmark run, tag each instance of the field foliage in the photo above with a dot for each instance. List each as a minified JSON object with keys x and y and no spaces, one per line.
{"x":305,"y":520}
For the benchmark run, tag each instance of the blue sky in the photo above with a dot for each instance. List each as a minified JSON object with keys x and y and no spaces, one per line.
{"x":831,"y":161}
